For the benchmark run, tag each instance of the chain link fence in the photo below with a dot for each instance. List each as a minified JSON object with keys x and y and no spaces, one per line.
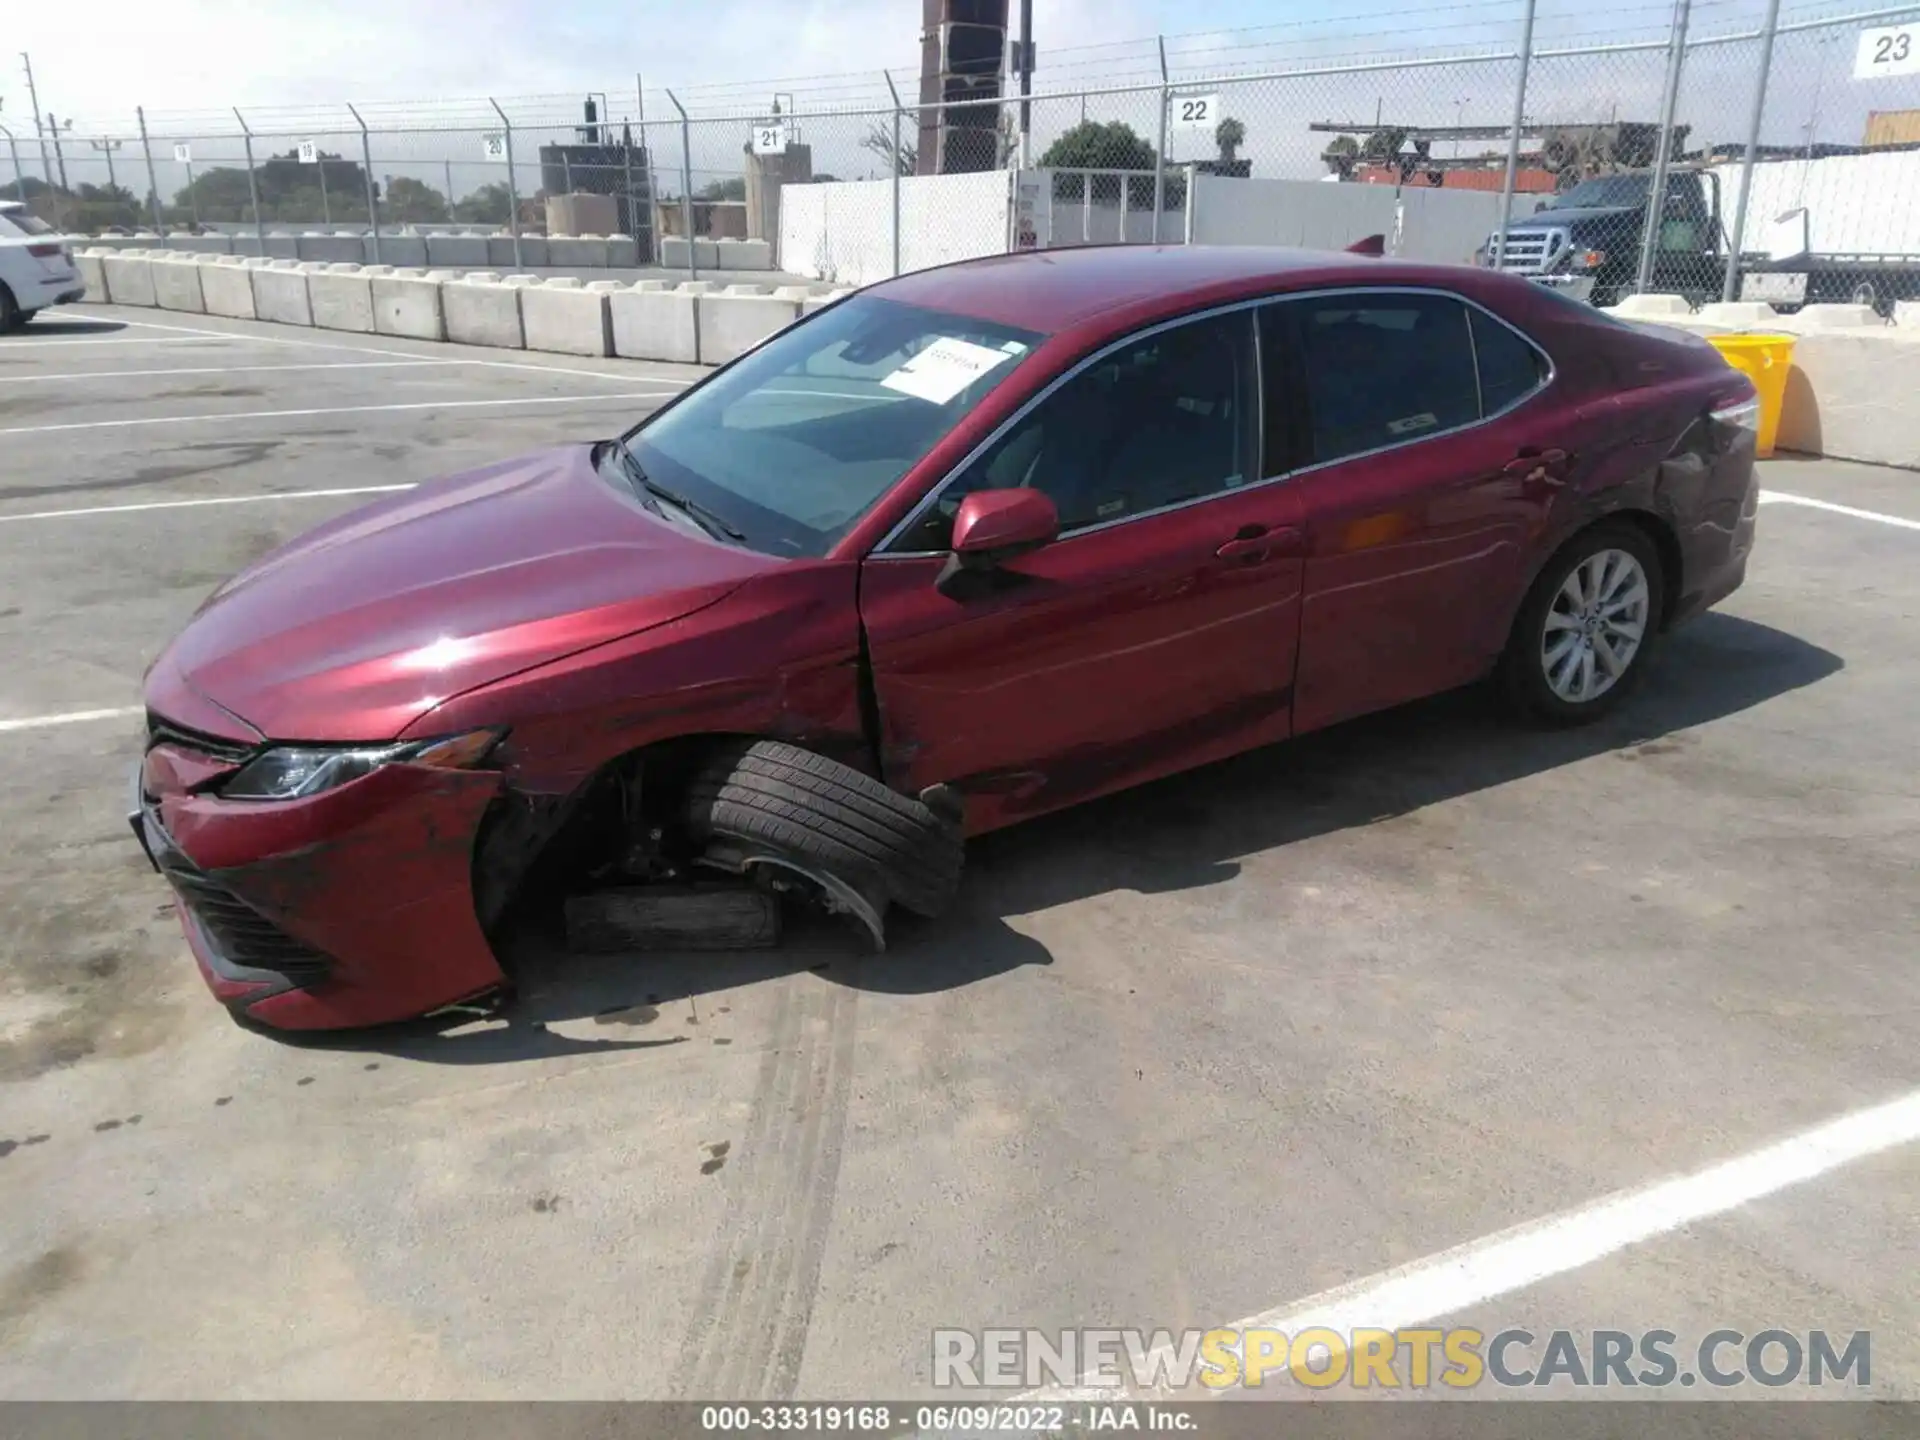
{"x":1606,"y":168}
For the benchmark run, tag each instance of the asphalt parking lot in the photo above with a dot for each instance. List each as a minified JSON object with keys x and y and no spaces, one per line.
{"x":1207,"y":1051}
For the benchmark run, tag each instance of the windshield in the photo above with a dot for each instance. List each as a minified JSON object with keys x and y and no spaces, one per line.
{"x":1605,"y":192}
{"x":797,"y":441}
{"x":17,"y":223}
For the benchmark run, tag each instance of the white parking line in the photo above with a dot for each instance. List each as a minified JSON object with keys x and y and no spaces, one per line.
{"x":228,"y":370}
{"x":209,"y":500}
{"x":1422,"y":1291}
{"x":39,"y":344}
{"x":1775,"y":497}
{"x":72,"y":717}
{"x":333,"y":410}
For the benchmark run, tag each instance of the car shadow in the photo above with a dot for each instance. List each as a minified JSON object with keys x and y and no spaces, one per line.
{"x":50,"y":327}
{"x":1186,"y":832}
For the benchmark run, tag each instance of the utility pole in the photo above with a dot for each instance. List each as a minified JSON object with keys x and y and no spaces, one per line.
{"x":1026,"y":84}
{"x":59,"y":155}
{"x":33,"y":100}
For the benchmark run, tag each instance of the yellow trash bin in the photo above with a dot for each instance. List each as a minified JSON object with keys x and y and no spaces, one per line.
{"x":1765,"y":359}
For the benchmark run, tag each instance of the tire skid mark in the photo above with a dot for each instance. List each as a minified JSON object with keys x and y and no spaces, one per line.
{"x":748,"y":1333}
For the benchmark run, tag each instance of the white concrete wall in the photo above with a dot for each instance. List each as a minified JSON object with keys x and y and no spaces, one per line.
{"x":409,"y":303}
{"x":566,"y":317}
{"x":843,"y":231}
{"x":1855,"y":394}
{"x":129,"y":278}
{"x":1420,"y":223}
{"x":176,"y":284}
{"x":341,"y":297}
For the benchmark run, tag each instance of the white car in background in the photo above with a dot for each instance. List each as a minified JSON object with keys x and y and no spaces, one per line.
{"x":36,"y":268}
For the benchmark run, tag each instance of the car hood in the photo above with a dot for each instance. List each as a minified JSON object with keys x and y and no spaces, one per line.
{"x":361,"y":626}
{"x":1547,"y":219}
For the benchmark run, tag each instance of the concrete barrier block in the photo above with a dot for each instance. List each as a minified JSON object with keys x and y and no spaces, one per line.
{"x":91,"y":263}
{"x":739,"y":318}
{"x":331,"y":249}
{"x":706,"y":254}
{"x":743,"y":254}
{"x":403,"y":250}
{"x":226,"y":284}
{"x":282,"y":247}
{"x":280,"y":293}
{"x":1829,"y":317}
{"x":585,"y":252}
{"x":623,"y":251}
{"x":458,"y":250}
{"x":1740,"y":314}
{"x":176,"y":284}
{"x":483,"y":311}
{"x":655,"y":323}
{"x":673,"y":252}
{"x":817,"y":301}
{"x":342,"y":299}
{"x":533,"y":250}
{"x":1850,"y":395}
{"x":1906,"y":313}
{"x":201,"y":244}
{"x":1651,"y":307}
{"x":567,"y":318}
{"x":409,"y":304}
{"x":129,"y":278}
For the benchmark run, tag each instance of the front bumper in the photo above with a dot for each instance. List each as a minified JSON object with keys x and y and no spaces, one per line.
{"x":1574,"y":287}
{"x":349,"y":908}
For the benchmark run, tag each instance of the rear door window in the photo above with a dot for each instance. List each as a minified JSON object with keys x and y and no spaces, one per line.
{"x":1510,"y":368}
{"x":1384,"y":369}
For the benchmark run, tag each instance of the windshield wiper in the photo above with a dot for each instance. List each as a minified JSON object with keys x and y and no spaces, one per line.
{"x":706,"y":519}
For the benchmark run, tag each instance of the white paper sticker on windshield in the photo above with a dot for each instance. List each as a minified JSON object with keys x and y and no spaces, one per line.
{"x":944,"y":369}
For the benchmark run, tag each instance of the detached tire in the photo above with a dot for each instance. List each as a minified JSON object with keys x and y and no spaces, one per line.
{"x":829,"y":815}
{"x":1581,"y":640}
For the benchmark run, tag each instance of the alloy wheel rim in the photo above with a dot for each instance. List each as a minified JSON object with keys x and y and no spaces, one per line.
{"x":1595,"y":626}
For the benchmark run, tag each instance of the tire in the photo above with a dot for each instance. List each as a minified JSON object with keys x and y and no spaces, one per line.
{"x":830,"y":815}
{"x":1542,"y":678}
{"x":10,"y":316}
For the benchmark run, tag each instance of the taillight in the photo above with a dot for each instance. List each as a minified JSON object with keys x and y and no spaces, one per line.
{"x":45,"y":252}
{"x":1742,"y":410}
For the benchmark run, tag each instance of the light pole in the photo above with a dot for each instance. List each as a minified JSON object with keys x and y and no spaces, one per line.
{"x":107,"y":147}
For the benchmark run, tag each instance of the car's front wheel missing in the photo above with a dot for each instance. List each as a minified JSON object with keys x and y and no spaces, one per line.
{"x":1582,"y":638}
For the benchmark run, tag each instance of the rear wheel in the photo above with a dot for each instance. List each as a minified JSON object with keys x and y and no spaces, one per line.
{"x":11,"y":316}
{"x":825,"y":816}
{"x":1581,"y":640}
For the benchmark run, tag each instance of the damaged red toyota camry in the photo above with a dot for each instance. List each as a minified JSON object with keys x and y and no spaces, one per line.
{"x":967,"y":547}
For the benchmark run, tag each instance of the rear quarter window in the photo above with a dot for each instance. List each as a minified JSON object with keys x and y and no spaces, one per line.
{"x":1510,"y":368}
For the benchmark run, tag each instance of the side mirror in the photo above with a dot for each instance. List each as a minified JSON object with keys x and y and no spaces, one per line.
{"x":994,"y":526}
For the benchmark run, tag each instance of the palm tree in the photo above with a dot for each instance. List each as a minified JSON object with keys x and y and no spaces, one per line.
{"x":1229,"y":135}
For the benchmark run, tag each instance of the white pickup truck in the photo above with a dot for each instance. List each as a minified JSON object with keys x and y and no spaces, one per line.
{"x":36,"y":268}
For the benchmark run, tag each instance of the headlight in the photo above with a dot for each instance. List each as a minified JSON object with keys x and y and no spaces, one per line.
{"x":1589,"y":259}
{"x":292,"y":772}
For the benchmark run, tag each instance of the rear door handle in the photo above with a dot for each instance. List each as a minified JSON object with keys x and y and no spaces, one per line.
{"x":1255,"y":543}
{"x":1538,"y":467}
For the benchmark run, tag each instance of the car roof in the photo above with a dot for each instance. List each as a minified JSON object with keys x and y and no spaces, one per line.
{"x":1057,"y":290}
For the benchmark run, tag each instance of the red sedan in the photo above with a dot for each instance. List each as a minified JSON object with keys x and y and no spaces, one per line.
{"x":962,"y":549}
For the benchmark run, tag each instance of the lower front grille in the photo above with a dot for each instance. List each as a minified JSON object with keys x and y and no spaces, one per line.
{"x":1528,"y":252}
{"x":243,"y":935}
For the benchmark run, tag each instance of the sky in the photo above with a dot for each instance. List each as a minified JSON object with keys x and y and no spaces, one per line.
{"x":292,"y":65}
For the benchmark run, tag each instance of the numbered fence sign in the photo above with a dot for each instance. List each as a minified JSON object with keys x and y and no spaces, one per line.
{"x":493,"y":147}
{"x":1894,"y":50}
{"x":1194,"y":112}
{"x":770,"y":139}
{"x":183,"y":154}
{"x":309,"y":153}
